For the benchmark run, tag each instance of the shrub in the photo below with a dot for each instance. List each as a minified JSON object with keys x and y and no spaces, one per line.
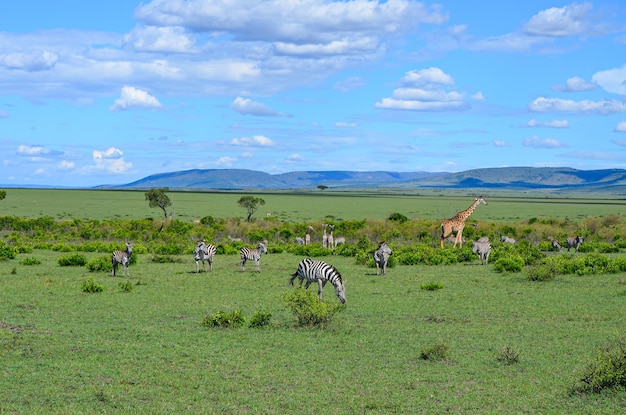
{"x":166,"y":259}
{"x":309,"y":310}
{"x":101,"y":263}
{"x":223,"y":319}
{"x":30,"y":261}
{"x":260,"y":319}
{"x":398,"y":217}
{"x":511,"y":263}
{"x":90,"y":286}
{"x":125,"y":286}
{"x":431,"y":286}
{"x":542,"y":272}
{"x":435,"y":352}
{"x":73,"y":260}
{"x":6,"y":251}
{"x":607,"y":371}
{"x":508,"y":356}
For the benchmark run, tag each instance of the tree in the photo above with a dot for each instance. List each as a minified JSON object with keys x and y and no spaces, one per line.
{"x":251,"y":204}
{"x":158,"y":198}
{"x":3,"y":194}
{"x":322,"y":187}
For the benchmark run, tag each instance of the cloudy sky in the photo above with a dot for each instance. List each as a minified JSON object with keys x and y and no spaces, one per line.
{"x":110,"y":92}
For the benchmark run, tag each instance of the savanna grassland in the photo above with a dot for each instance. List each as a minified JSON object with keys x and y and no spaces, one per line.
{"x":438,"y":334}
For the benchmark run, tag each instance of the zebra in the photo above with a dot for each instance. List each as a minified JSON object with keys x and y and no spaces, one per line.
{"x":340,"y":240}
{"x":230,"y":238}
{"x":321,"y":272}
{"x":381,"y":257}
{"x":248,"y":254}
{"x":555,"y":244}
{"x":204,"y":252}
{"x":483,"y":249}
{"x":452,"y":239}
{"x":300,"y":241}
{"x":574,"y":242}
{"x":123,"y":258}
{"x":507,"y":240}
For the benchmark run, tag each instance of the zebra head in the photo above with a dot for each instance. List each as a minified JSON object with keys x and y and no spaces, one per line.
{"x":340,"y":290}
{"x":384,"y":248}
{"x":129,"y":249}
{"x":261,"y":247}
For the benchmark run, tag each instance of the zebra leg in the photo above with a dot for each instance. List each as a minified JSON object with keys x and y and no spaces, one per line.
{"x":321,"y":284}
{"x":243,"y":262}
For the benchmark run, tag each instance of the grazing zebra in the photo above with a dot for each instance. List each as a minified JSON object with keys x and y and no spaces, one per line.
{"x":483,"y":249}
{"x":248,"y":254}
{"x":123,"y":258}
{"x":574,"y":242}
{"x":555,"y":244}
{"x":321,"y":272}
{"x":381,"y":257}
{"x":340,"y":240}
{"x":507,"y":240}
{"x":204,"y":252}
{"x":300,"y":241}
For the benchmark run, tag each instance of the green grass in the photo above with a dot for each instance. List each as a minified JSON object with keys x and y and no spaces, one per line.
{"x":303,"y":206}
{"x":65,"y":351}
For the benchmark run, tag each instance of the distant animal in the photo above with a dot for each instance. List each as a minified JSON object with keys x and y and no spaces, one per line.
{"x":507,"y":240}
{"x":320,"y":272}
{"x":230,"y":238}
{"x":555,"y":244}
{"x":325,"y":237}
{"x":122,"y":258}
{"x":300,"y":241}
{"x":307,"y":236}
{"x":483,"y":249}
{"x":381,"y":257}
{"x":574,"y":242}
{"x":456,"y":223}
{"x":483,"y":239}
{"x":452,"y":239}
{"x":204,"y":252}
{"x":330,"y":241}
{"x":248,"y":254}
{"x":340,"y":240}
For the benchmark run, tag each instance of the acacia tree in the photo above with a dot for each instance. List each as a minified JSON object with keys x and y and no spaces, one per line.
{"x":158,"y":198}
{"x":322,"y":187}
{"x":251,"y":204}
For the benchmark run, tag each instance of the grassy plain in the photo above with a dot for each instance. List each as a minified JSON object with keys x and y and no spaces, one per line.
{"x":63,"y":351}
{"x":304,"y":206}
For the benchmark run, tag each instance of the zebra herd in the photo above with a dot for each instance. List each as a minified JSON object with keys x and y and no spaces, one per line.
{"x":570,"y":242}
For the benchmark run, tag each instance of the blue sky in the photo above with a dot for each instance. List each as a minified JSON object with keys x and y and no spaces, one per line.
{"x":110,"y":92}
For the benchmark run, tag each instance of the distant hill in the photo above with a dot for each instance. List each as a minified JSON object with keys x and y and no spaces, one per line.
{"x":512,"y":178}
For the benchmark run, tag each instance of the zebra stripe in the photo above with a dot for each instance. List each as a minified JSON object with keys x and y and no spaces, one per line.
{"x":483,"y":249}
{"x":122,"y":258}
{"x":204,"y":252}
{"x":381,"y":257}
{"x":574,"y":242}
{"x":321,"y":272}
{"x":248,"y":254}
{"x":556,"y":245}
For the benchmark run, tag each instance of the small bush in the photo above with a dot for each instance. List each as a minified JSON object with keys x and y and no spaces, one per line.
{"x":6,"y":251}
{"x":166,"y":259}
{"x":435,"y":352}
{"x":508,"y":356}
{"x":398,"y":217}
{"x":431,"y":286}
{"x":309,"y":310}
{"x":90,"y":286}
{"x":511,"y":263}
{"x":125,"y":286}
{"x":260,"y":319}
{"x":607,"y":371}
{"x":542,"y":272}
{"x":101,"y":263}
{"x":73,"y":260}
{"x":223,"y":319}
{"x":30,"y":261}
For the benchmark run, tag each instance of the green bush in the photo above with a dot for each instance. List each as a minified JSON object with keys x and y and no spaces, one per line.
{"x":6,"y":251}
{"x":309,"y":310}
{"x":73,"y":260}
{"x":223,"y":319}
{"x":431,"y":286}
{"x":398,"y":217}
{"x":542,"y":272}
{"x":508,"y":356}
{"x":101,"y":263}
{"x":90,"y":286}
{"x":125,"y":286}
{"x":435,"y":352}
{"x":512,"y":263}
{"x":30,"y":261}
{"x":606,"y":371}
{"x":260,"y":319}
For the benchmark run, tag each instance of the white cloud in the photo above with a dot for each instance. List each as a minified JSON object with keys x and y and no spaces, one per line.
{"x":478,"y":96}
{"x":159,"y":39}
{"x":549,"y":124}
{"x":248,"y":107}
{"x":620,"y":127}
{"x":605,"y":106}
{"x":254,"y":141}
{"x":134,"y":98}
{"x":294,"y":158}
{"x":109,"y":161}
{"x":342,"y":124}
{"x":612,"y":80}
{"x":30,"y":62}
{"x":560,"y":21}
{"x":66,"y":165}
{"x":500,"y":143}
{"x":428,"y":89}
{"x":536,"y":142}
{"x":576,"y":84}
{"x":26,"y":150}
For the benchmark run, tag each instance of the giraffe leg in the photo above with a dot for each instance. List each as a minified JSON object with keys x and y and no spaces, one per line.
{"x":459,"y":236}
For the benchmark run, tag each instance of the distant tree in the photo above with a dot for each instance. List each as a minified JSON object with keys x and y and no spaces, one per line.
{"x":251,"y":204}
{"x":158,"y":198}
{"x":3,"y":194}
{"x":322,"y":187}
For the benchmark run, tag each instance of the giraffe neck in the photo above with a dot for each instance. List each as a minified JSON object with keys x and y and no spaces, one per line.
{"x":467,"y":212}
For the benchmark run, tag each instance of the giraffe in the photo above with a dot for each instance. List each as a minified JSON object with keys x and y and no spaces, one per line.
{"x":307,"y":237}
{"x":457,"y":223}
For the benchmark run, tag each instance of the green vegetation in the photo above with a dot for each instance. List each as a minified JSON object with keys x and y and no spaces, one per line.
{"x":251,"y":204}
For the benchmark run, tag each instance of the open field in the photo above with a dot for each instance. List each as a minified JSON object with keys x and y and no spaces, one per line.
{"x":299,"y":207}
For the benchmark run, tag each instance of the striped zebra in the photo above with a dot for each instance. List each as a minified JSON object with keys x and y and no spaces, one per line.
{"x":483,"y":249}
{"x":321,"y":272}
{"x":122,"y":258}
{"x":381,"y":257}
{"x":204,"y":252}
{"x":507,"y":240}
{"x":248,"y":254}
{"x":574,"y":242}
{"x":555,"y":244}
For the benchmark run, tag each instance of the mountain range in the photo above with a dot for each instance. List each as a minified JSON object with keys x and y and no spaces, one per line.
{"x":510,"y":178}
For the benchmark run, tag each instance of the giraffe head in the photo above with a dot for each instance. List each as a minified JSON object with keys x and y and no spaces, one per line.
{"x":480,"y":201}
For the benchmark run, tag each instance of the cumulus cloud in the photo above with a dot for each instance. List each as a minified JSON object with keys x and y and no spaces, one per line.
{"x":428,"y":89}
{"x":135,"y":98}
{"x":604,"y":106}
{"x":249,"y":107}
{"x":620,"y":127}
{"x":612,"y":80}
{"x":560,"y":21}
{"x":66,"y":165}
{"x":536,"y":142}
{"x":109,"y":161}
{"x":549,"y":124}
{"x":31,"y":151}
{"x":294,"y":158}
{"x":254,"y":141}
{"x":576,"y":84}
{"x":159,"y":39}
{"x":30,"y":62}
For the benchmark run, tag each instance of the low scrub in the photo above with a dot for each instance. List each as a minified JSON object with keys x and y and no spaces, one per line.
{"x":90,"y":286}
{"x":435,"y":352}
{"x":606,"y":371}
{"x":308,"y":308}
{"x":73,"y":260}
{"x":223,"y":319}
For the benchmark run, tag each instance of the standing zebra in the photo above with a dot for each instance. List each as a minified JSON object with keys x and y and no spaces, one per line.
{"x":574,"y":242}
{"x":381,"y":257}
{"x":321,"y":272}
{"x":483,"y":249}
{"x":555,"y":244}
{"x":204,"y":252}
{"x":123,"y":258}
{"x":248,"y":254}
